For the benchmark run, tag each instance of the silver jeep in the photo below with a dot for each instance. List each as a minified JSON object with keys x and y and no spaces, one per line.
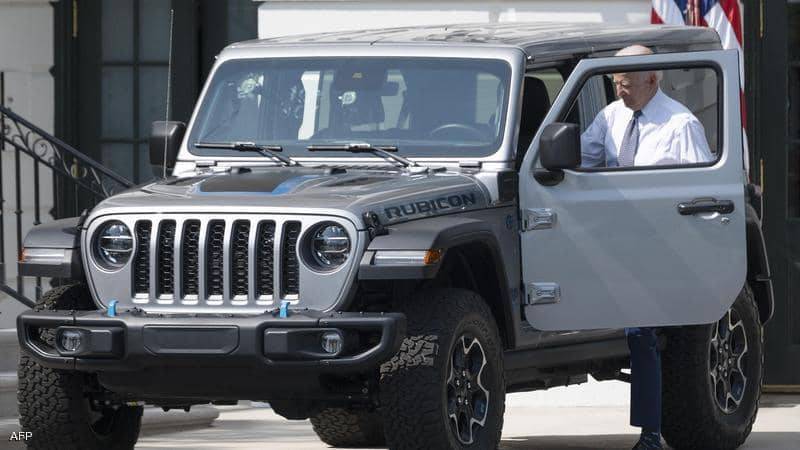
{"x":387,"y":231}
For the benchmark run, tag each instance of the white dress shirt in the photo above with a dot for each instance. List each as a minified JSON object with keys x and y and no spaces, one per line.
{"x":668,"y":134}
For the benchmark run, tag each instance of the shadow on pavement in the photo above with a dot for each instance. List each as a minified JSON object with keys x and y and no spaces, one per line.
{"x":758,"y":440}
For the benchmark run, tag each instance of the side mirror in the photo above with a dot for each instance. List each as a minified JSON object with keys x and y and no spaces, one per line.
{"x":560,"y":146}
{"x":165,"y":140}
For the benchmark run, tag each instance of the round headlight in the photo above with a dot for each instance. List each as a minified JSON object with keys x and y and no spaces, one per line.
{"x":113,"y":245}
{"x":330,"y":246}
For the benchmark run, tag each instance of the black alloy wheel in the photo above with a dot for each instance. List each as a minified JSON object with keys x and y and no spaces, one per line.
{"x":728,"y":359}
{"x":467,"y":397}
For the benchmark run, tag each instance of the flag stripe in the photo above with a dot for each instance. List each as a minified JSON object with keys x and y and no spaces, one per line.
{"x":668,"y":12}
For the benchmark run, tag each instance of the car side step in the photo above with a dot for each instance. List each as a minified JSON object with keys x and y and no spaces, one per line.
{"x":566,"y":355}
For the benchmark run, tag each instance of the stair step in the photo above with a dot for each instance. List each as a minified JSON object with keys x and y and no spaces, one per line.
{"x":9,"y":348}
{"x":8,"y":394}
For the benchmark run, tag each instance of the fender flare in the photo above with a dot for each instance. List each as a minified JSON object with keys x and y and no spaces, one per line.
{"x":759,"y":275}
{"x":59,"y":237}
{"x":443,"y":233}
{"x":439,"y":233}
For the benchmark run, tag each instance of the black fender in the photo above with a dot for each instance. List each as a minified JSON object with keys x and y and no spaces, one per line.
{"x":439,"y":233}
{"x":53,"y":249}
{"x":759,"y":275}
{"x":444,"y":233}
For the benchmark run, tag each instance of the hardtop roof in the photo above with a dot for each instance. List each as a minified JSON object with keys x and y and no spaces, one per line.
{"x":533,"y":38}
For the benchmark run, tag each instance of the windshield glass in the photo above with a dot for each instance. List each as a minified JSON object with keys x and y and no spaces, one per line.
{"x":434,"y":107}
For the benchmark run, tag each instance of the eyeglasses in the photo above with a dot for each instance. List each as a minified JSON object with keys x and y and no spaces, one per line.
{"x":623,"y":84}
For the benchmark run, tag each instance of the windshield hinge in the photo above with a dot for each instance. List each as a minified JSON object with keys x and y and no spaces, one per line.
{"x":473,"y":165}
{"x":204,"y":164}
{"x":206,"y":167}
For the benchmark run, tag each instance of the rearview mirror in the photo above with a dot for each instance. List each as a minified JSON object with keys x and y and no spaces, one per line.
{"x":560,"y":146}
{"x":165,"y":140}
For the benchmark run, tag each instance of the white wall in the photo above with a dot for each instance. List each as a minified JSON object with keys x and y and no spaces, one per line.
{"x":26,"y":55}
{"x":283,"y":18}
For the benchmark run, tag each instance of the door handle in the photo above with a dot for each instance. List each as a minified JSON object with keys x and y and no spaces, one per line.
{"x":705,"y":205}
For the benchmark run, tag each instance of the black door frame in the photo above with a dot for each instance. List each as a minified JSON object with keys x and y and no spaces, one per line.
{"x":766,"y":61}
{"x":77,"y":79}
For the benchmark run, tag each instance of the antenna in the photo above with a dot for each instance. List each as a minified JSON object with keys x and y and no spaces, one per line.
{"x":169,"y":89}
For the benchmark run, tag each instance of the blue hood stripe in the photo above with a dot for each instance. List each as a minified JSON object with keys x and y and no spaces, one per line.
{"x":290,"y":184}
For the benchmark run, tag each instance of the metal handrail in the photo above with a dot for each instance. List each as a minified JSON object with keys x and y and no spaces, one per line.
{"x":80,"y":172}
{"x":48,"y":150}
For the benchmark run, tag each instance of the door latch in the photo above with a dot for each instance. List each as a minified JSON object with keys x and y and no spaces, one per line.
{"x":538,"y":219}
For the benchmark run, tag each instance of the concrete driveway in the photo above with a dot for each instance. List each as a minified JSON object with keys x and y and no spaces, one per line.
{"x":545,"y":427}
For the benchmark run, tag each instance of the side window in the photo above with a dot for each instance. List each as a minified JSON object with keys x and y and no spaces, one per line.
{"x":540,"y":88}
{"x":666,"y":118}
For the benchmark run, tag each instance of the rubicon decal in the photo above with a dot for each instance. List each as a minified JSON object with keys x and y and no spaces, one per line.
{"x":433,"y":206}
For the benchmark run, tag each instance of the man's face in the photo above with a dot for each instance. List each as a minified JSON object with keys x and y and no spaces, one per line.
{"x":635,"y":89}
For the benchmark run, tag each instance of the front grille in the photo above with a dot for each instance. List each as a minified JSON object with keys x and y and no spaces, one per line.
{"x":215,"y":253}
{"x":166,"y":260}
{"x":191,"y":257}
{"x":291,"y":268}
{"x":265,"y":259}
{"x":216,"y":261}
{"x":141,"y":262}
{"x":239,"y":254}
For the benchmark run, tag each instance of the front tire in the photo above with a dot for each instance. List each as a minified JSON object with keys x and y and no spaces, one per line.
{"x":445,"y":387}
{"x":340,"y":427}
{"x":712,"y":379}
{"x":55,"y":406}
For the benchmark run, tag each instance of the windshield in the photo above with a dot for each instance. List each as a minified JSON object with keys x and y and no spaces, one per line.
{"x":434,"y":107}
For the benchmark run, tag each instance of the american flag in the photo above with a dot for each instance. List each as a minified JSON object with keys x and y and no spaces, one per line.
{"x":725,"y":16}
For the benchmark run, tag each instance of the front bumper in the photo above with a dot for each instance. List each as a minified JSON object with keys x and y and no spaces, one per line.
{"x":266,"y":343}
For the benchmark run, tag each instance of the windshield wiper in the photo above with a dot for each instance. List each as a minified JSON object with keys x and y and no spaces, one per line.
{"x":363,"y":147}
{"x":270,"y":151}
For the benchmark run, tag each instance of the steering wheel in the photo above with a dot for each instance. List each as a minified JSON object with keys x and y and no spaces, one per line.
{"x":458,"y":129}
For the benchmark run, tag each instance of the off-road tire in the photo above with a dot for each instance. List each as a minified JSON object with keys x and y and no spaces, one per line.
{"x":340,"y":427}
{"x":52,"y":403}
{"x":413,"y":384}
{"x":691,"y":417}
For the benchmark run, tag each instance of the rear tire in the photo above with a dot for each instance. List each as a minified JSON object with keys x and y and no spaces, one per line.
{"x":54,"y":405}
{"x":702,"y":365}
{"x":340,"y":427}
{"x":448,"y":371}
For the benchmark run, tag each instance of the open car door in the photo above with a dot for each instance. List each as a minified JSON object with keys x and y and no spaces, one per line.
{"x":614,"y":248}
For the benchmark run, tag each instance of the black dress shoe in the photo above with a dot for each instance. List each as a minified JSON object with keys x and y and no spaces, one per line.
{"x":648,"y":443}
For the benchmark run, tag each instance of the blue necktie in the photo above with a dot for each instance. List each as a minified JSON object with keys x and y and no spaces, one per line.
{"x":627,"y":151}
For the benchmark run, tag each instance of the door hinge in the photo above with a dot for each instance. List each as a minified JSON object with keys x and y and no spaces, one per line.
{"x":538,"y":219}
{"x":542,"y":293}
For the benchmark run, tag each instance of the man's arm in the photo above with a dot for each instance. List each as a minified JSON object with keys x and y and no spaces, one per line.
{"x":690,"y":144}
{"x":593,"y":148}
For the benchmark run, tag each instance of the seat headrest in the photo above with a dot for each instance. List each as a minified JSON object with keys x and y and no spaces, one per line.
{"x":535,"y":103}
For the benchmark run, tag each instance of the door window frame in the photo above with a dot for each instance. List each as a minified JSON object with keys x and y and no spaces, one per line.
{"x":572,"y":88}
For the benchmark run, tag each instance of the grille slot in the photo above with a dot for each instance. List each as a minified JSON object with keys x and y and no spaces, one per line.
{"x":290,"y":275}
{"x":265,"y":259}
{"x":190,"y":263}
{"x":239,"y":258}
{"x":214,"y":258}
{"x":141,"y":262}
{"x":166,"y":258}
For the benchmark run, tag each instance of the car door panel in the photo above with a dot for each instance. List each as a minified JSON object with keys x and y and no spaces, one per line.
{"x":619,"y":253}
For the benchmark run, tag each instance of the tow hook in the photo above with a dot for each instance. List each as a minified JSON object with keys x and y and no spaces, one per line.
{"x":284,"y":311}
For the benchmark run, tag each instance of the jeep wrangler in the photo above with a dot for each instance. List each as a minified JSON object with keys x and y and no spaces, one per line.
{"x":388,"y":231}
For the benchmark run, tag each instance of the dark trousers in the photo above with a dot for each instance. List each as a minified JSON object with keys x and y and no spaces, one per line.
{"x":645,"y":378}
